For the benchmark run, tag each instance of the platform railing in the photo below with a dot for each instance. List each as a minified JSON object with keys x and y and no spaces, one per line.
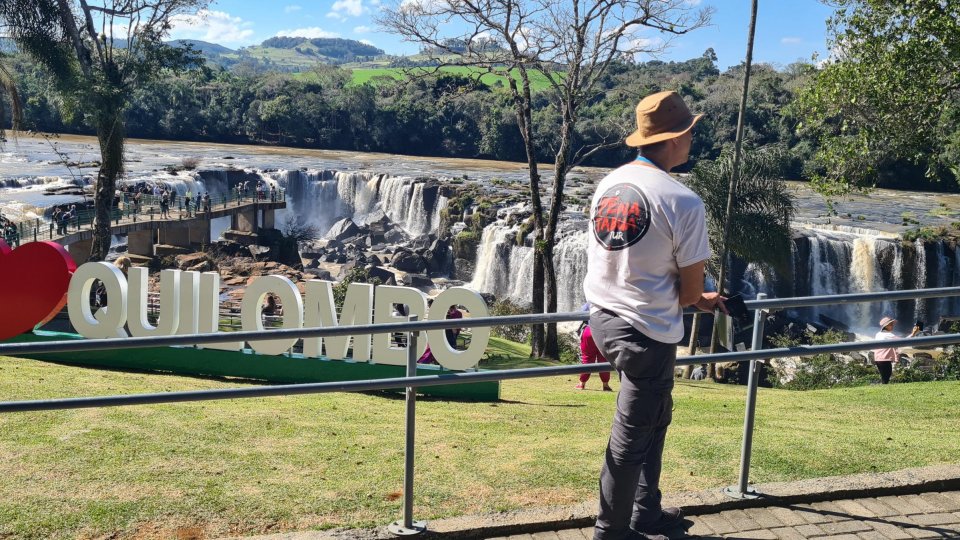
{"x":407,"y":525}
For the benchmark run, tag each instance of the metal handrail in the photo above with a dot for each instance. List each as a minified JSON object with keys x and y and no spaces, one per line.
{"x":407,"y":526}
{"x":444,"y":379}
{"x":149,"y":207}
{"x":535,"y":318}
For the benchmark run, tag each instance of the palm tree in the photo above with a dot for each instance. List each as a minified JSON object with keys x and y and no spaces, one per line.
{"x":8,"y":88}
{"x":97,"y":54}
{"x":758,"y":229}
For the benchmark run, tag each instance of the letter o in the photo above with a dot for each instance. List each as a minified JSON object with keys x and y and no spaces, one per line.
{"x":109,"y":321}
{"x":292,"y":311}
{"x":446,"y":355}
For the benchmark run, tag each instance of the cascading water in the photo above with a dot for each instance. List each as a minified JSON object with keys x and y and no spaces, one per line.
{"x":324,"y":197}
{"x":825,"y":263}
{"x":505,"y":269}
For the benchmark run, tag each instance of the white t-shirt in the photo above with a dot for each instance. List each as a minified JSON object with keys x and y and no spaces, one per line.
{"x":644,"y":227}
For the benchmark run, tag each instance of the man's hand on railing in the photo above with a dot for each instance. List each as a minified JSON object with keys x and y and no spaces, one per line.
{"x":711,"y":301}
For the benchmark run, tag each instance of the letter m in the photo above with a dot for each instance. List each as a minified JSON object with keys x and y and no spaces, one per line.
{"x":320,"y":312}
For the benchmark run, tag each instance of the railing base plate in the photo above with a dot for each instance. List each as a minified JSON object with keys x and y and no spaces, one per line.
{"x":735,"y":493}
{"x":398,"y":529}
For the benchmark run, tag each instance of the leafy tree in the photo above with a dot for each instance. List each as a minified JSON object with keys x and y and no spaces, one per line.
{"x":885,"y":101}
{"x":97,"y":54}
{"x":571,"y":44}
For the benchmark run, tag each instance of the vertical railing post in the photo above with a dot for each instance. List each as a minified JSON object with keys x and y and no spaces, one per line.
{"x":407,"y":526}
{"x":742,"y":490}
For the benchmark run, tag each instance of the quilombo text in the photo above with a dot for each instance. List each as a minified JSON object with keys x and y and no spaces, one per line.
{"x":190,"y":302}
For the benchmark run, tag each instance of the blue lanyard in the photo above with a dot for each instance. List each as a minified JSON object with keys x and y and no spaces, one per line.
{"x":646,"y":160}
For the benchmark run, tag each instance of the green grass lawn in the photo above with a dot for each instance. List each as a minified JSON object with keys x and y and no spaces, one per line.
{"x":279,"y":464}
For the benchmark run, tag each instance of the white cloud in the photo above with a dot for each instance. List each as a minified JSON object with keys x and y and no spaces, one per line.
{"x":353,"y":8}
{"x":291,"y":8}
{"x":210,"y":25}
{"x":336,"y":16}
{"x":310,"y":33}
{"x":789,"y":40}
{"x":362,"y":30}
{"x":367,"y":42}
{"x":647,"y":43}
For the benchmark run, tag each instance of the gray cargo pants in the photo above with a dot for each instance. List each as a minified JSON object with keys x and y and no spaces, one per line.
{"x":630,"y":479}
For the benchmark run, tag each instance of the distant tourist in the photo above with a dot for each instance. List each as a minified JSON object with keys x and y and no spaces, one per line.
{"x":164,"y":205}
{"x":123,"y":263}
{"x":270,"y":308}
{"x":884,"y":358}
{"x":453,"y":333}
{"x":273,"y":193}
{"x":590,"y":354}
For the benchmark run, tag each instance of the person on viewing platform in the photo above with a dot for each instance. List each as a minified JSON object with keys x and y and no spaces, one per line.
{"x":884,"y":358}
{"x":164,"y":205}
{"x":186,"y":201}
{"x":645,"y":262}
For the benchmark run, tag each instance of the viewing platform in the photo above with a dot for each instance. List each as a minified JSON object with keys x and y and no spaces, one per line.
{"x":185,"y":228}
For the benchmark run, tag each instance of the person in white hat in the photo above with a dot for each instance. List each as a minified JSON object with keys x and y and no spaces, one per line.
{"x":884,"y":358}
{"x":646,"y":251}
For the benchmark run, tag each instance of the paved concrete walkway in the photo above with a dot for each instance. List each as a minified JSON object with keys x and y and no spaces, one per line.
{"x":927,"y":515}
{"x":922,"y":502}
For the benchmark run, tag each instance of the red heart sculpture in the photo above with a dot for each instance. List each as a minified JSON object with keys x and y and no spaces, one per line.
{"x":34,"y":279}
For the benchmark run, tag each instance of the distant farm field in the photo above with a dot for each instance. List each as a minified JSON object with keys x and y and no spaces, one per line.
{"x":366,"y":75}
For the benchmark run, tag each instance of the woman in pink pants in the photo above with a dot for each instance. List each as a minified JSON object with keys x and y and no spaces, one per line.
{"x":590,"y":354}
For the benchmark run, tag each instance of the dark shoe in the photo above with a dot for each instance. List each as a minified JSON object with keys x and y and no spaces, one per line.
{"x":670,"y":518}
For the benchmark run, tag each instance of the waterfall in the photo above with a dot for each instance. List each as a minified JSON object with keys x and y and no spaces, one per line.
{"x":920,"y":275}
{"x":505,"y":269}
{"x":493,"y":268}
{"x":324,"y":197}
{"x":865,"y":277}
{"x":570,"y":261}
{"x":754,"y":281}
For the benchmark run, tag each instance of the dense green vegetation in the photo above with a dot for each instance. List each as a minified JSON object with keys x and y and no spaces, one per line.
{"x":447,"y":114}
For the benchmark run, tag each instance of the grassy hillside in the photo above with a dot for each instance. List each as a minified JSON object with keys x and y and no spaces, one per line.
{"x":364,"y":75}
{"x":240,"y":467}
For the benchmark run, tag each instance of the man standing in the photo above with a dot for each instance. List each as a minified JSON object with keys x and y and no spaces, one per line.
{"x":645,"y":262}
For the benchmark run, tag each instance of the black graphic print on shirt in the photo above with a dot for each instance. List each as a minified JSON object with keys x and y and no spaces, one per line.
{"x":621,"y":217}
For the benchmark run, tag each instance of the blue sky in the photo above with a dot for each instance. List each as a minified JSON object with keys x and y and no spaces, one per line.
{"x":787,"y":30}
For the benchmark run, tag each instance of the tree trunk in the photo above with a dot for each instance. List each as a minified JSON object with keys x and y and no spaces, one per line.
{"x":110,"y":135}
{"x":523,"y":107}
{"x":551,"y":345}
{"x":537,"y":335}
{"x":738,"y":144}
{"x":560,"y":166}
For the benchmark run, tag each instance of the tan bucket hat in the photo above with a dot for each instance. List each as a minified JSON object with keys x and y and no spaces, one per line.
{"x":660,"y":117}
{"x":885,"y":321}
